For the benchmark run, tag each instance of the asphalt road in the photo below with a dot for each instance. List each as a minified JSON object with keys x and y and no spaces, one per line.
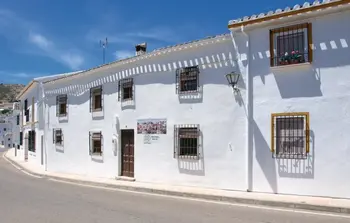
{"x":26,"y":199}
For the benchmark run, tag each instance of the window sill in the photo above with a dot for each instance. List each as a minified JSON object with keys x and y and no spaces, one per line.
{"x":291,"y":66}
{"x":96,"y":154}
{"x":188,"y":157}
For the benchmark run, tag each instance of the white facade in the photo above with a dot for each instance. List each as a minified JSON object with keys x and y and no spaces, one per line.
{"x":320,"y":89}
{"x":214,"y":108}
{"x":240,"y":143}
{"x":5,"y":129}
{"x":32,"y":122}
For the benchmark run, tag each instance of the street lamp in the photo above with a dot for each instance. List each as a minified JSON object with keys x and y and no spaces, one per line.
{"x":232,"y":79}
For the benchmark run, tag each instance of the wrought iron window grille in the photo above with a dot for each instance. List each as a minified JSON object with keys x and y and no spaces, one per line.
{"x":57,"y":136}
{"x":187,"y":141}
{"x":96,"y":99}
{"x":187,"y":80}
{"x":291,"y":45}
{"x":61,"y":105}
{"x":95,"y":143}
{"x":290,"y":136}
{"x":126,"y":89}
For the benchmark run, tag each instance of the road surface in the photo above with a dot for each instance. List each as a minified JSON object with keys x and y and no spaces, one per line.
{"x":26,"y":199}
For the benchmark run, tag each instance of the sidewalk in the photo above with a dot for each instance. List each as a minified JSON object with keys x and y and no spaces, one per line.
{"x":248,"y":198}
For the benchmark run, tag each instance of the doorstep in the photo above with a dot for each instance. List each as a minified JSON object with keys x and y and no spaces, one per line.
{"x":123,"y":178}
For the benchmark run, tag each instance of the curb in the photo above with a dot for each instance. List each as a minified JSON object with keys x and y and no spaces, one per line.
{"x":232,"y":200}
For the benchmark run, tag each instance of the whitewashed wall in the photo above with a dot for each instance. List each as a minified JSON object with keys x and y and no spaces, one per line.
{"x":219,"y":112}
{"x":322,"y":89}
{"x":38,"y":156}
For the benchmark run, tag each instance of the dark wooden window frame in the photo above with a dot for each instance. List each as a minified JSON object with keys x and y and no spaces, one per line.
{"x":289,"y":138}
{"x":57,"y":137}
{"x":61,"y":105}
{"x":187,"y":141}
{"x":126,"y":89}
{"x":95,"y":143}
{"x":31,"y":140}
{"x":187,"y":80}
{"x":290,"y":33}
{"x":96,"y":93}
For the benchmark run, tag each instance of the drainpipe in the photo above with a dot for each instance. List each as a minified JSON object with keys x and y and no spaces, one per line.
{"x":248,"y":106}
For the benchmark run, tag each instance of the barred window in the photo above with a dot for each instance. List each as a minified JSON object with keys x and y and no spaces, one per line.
{"x":187,"y":80}
{"x":31,"y":140}
{"x":291,"y":45}
{"x":57,"y":136}
{"x":290,"y":135}
{"x":126,"y":89}
{"x":95,"y":143}
{"x":187,"y":139}
{"x":96,"y":98}
{"x":61,"y":105}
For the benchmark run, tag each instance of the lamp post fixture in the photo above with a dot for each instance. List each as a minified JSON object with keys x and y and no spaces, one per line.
{"x":232,"y":79}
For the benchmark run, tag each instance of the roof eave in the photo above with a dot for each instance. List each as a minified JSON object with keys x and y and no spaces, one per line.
{"x":287,"y":14}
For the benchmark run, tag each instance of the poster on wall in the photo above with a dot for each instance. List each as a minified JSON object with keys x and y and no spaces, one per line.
{"x":151,"y":126}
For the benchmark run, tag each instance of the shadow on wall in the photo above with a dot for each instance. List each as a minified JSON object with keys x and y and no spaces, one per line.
{"x":208,"y":63}
{"x":299,"y":168}
{"x":193,"y":166}
{"x":303,"y":82}
{"x":264,"y":158}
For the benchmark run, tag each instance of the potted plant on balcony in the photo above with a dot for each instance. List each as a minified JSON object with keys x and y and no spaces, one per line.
{"x":296,"y":57}
{"x":284,"y":59}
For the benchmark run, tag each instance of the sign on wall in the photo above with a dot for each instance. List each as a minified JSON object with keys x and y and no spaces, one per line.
{"x":151,"y":126}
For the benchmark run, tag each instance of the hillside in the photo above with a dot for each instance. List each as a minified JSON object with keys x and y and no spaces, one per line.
{"x":8,"y":92}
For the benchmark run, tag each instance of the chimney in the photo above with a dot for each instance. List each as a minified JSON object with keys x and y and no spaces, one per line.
{"x":141,"y":49}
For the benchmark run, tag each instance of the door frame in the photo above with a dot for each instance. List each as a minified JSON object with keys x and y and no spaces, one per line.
{"x":123,"y":131}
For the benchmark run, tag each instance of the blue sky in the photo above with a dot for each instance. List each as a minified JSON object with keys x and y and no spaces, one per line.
{"x":42,"y":37}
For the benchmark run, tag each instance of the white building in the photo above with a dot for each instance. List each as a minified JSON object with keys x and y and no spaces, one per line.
{"x":122,"y":119}
{"x":31,"y":136}
{"x":297,"y":104}
{"x":5,"y":129}
{"x":169,"y":116}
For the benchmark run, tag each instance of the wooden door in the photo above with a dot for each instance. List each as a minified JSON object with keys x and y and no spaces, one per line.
{"x":127,"y":152}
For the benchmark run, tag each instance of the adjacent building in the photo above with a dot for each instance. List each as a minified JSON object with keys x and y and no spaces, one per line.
{"x":262,"y":109}
{"x":297,"y":65}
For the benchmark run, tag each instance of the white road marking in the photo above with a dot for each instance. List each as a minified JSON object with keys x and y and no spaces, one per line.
{"x":19,"y":168}
{"x":207,"y":201}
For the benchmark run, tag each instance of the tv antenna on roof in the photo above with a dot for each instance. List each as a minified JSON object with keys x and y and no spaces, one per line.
{"x":103,"y":44}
